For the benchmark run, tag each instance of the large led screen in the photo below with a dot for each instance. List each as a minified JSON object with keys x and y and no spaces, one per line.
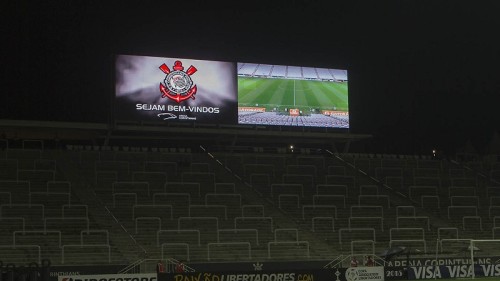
{"x":175,"y":90}
{"x":292,"y":96}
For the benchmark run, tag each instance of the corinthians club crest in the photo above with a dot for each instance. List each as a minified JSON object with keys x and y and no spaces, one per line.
{"x":178,"y":85}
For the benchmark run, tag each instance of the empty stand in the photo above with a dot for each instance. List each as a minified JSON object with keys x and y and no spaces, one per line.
{"x":332,"y":189}
{"x":238,"y":235}
{"x":338,"y":201}
{"x":155,"y":180}
{"x":348,"y":235}
{"x":207,"y":227}
{"x":179,"y":236}
{"x":8,"y":169}
{"x":231,"y":202}
{"x":289,"y":250}
{"x":71,"y":254}
{"x":409,"y":237}
{"x":229,"y":251}
{"x":310,"y":211}
{"x":178,"y":251}
{"x":287,"y":188}
{"x":206,"y":181}
{"x":252,"y":210}
{"x":376,"y":223}
{"x":248,"y":206}
{"x":17,"y":190}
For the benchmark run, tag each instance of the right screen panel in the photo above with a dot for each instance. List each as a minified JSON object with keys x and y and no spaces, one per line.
{"x":292,"y":96}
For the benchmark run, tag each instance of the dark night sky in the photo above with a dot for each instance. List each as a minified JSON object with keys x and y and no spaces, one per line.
{"x":421,"y":73}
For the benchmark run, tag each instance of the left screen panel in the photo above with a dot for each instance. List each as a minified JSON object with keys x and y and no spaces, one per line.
{"x":175,"y":90}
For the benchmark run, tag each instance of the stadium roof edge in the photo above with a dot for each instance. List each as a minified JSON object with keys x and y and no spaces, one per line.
{"x":51,"y":124}
{"x":141,"y":131}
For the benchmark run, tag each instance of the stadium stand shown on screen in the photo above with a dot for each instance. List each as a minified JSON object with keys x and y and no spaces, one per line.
{"x":292,"y":96}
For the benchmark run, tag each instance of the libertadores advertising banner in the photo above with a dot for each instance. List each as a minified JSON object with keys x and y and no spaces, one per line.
{"x":374,"y":273}
{"x":110,"y":277}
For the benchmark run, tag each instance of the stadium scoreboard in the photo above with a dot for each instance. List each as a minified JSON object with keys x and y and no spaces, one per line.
{"x":220,"y":92}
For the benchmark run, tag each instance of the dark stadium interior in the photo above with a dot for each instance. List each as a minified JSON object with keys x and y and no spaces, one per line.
{"x":423,"y":76}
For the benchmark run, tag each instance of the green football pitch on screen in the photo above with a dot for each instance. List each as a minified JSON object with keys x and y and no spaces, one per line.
{"x":292,"y":93}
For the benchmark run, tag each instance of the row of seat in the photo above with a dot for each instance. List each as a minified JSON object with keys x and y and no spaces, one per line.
{"x":176,"y":197}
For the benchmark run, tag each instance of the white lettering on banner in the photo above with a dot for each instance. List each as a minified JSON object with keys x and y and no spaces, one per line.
{"x":185,"y":117}
{"x":455,"y":271}
{"x":424,"y":262}
{"x":159,"y":107}
{"x":243,"y":277}
{"x":177,"y":108}
{"x":252,"y":109}
{"x":370,"y":273}
{"x":427,"y":272}
{"x":202,"y":109}
{"x":60,"y":273}
{"x":460,"y":271}
{"x":109,"y":277}
{"x":491,"y":270}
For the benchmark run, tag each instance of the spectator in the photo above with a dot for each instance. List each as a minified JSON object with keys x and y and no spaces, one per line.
{"x":180,"y":267}
{"x":369,"y":261}
{"x":160,"y":267}
{"x":354,"y":262}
